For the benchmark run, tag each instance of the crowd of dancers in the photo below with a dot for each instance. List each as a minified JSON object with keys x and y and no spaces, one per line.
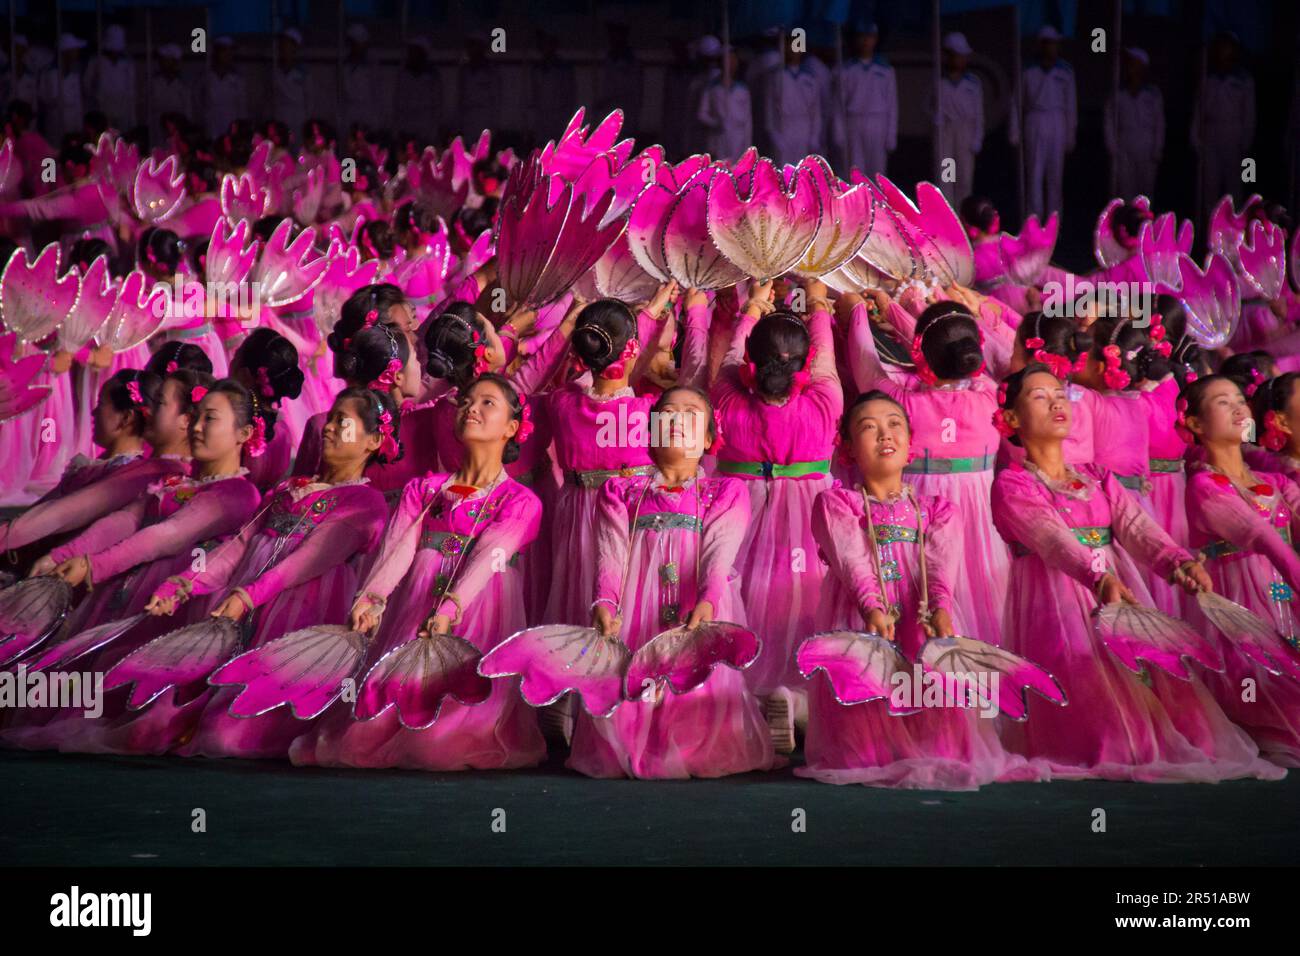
{"x":673,"y":463}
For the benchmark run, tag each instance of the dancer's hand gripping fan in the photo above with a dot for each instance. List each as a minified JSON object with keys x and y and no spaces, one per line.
{"x":966,"y":664}
{"x":158,"y":191}
{"x":1160,"y":244}
{"x":17,"y":394}
{"x":306,"y":671}
{"x":34,"y":298}
{"x":861,"y":667}
{"x":1137,"y":635}
{"x":31,"y":611}
{"x":94,"y":303}
{"x":686,"y":248}
{"x":1025,"y":257}
{"x":62,"y":653}
{"x":556,"y":659}
{"x":181,"y":659}
{"x":935,"y":230}
{"x":765,"y":226}
{"x":141,"y":310}
{"x":1105,"y":247}
{"x":683,"y":658}
{"x":847,"y":216}
{"x":287,"y":271}
{"x":1228,"y":228}
{"x":645,"y":227}
{"x":1212,"y":300}
{"x":242,"y":199}
{"x":417,"y":676}
{"x":1261,"y":258}
{"x":1251,"y":635}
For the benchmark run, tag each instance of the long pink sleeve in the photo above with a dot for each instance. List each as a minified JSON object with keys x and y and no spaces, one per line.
{"x":837,"y":529}
{"x":864,"y":361}
{"x":942,"y":551}
{"x":1023,"y":514}
{"x":725,"y":526}
{"x":739,"y":334}
{"x":514,"y":526}
{"x":613,"y":538}
{"x":540,"y":366}
{"x":221,"y":562}
{"x":1137,"y":532}
{"x":402,"y":536}
{"x":213,"y":511}
{"x":104,"y":533}
{"x":1221,"y":511}
{"x":695,"y":348}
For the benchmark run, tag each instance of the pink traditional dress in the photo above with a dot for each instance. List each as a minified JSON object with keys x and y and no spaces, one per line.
{"x":1246,"y":538}
{"x":782,"y":452}
{"x":297,"y":565}
{"x":1165,"y":500}
{"x":945,"y":748}
{"x":955,"y":447}
{"x":132,"y":551}
{"x":439,"y":543}
{"x":678,"y":547}
{"x":1117,"y":726}
{"x":38,"y":444}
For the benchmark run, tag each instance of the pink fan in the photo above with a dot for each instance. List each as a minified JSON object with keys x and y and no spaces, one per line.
{"x":30,"y":611}
{"x":416,"y":676}
{"x":618,"y":276}
{"x":857,"y":275}
{"x":1261,"y":257}
{"x":435,"y":183}
{"x":861,"y":667}
{"x":17,"y":396}
{"x":584,"y":287}
{"x":11,"y":171}
{"x":605,"y":174}
{"x":113,"y":162}
{"x":242,"y":199}
{"x":764,"y":229}
{"x":34,"y":300}
{"x":890,"y":247}
{"x":1295,"y":259}
{"x":345,"y":275}
{"x":1228,"y":228}
{"x":94,"y":303}
{"x":306,"y":671}
{"x":687,"y":249}
{"x":1211,"y":299}
{"x":1026,"y":256}
{"x":1105,"y":246}
{"x":847,"y":215}
{"x":1137,"y":634}
{"x":140,"y":311}
{"x":182,"y":659}
{"x":159,"y":189}
{"x":573,"y":152}
{"x":229,"y":259}
{"x":558,"y":658}
{"x":935,"y":229}
{"x":1158,"y":245}
{"x":528,"y":226}
{"x":1251,"y":635}
{"x":260,"y":163}
{"x":478,"y":255}
{"x":685,"y":658}
{"x":306,"y":199}
{"x":996,"y":675}
{"x":645,"y":228}
{"x":64,"y":652}
{"x":287,"y":271}
{"x":463,"y":160}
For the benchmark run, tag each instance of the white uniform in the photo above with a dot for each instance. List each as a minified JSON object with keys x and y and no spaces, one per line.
{"x":825,"y":87}
{"x":759,"y":76}
{"x":61,"y":104}
{"x":1134,"y":128}
{"x":1050,"y":122}
{"x":961,"y":131}
{"x":864,"y":125}
{"x":1223,"y":128}
{"x":726,"y":118}
{"x":794,"y":114}
{"x":169,"y":96}
{"x":226,"y":99}
{"x":290,"y":98}
{"x":27,"y":87}
{"x":365,"y":99}
{"x":110,"y":88}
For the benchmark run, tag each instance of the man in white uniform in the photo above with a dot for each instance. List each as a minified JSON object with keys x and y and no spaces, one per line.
{"x":764,"y":67}
{"x":417,"y":93}
{"x":961,"y":118}
{"x":25,"y":82}
{"x":1134,"y":127}
{"x":290,"y":98}
{"x":363,"y":93}
{"x":1050,"y":123}
{"x":724,"y":111}
{"x":1223,"y":123}
{"x":60,"y":94}
{"x":170,"y":92}
{"x":110,"y":81}
{"x":864,"y":126}
{"x":226,"y":95}
{"x":794,"y":111}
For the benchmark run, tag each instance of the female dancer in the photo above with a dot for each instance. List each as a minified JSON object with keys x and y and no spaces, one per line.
{"x":266,"y":363}
{"x":159,"y":253}
{"x":445,"y":564}
{"x":892,"y":562}
{"x":1059,"y":344}
{"x":1077,"y":534}
{"x":666,"y":545}
{"x":1242,"y":520}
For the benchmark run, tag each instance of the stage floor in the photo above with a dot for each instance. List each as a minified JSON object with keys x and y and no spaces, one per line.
{"x":63,"y":809}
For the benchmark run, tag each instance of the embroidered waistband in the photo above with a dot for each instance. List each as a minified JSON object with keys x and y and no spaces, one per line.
{"x":949,"y":466}
{"x":597,"y":477}
{"x":1089,"y":537}
{"x":768,"y":469}
{"x":1165,"y":466}
{"x":663,"y":520}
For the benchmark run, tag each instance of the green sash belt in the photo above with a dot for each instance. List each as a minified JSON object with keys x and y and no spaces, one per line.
{"x":767,"y":469}
{"x":598,"y":477}
{"x":949,"y":466}
{"x":1221,"y":549}
{"x":1165,"y":466}
{"x":1088,"y":537}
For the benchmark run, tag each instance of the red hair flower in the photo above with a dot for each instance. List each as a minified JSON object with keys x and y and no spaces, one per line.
{"x":1274,"y":439}
{"x":256,"y":444}
{"x":388,"y":378}
{"x":525,"y":421}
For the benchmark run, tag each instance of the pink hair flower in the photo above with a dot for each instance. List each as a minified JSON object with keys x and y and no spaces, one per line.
{"x":197,"y":393}
{"x":133,"y":389}
{"x":256,"y":444}
{"x":388,"y":378}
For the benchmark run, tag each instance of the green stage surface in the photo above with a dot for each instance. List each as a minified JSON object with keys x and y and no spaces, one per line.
{"x":63,"y":809}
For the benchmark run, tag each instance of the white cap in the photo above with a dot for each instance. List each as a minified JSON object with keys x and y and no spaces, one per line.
{"x":709,"y":46}
{"x":421,"y":42}
{"x":114,"y":38}
{"x":224,"y":40}
{"x":1048,"y":32}
{"x":358,"y":33}
{"x":292,"y":34}
{"x":957,"y":43}
{"x":169,"y":51}
{"x":1139,"y":54}
{"x":70,"y":42}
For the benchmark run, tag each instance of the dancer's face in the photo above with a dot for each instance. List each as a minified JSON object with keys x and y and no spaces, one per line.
{"x":1042,"y":410}
{"x":484,"y":416}
{"x":1223,"y":416}
{"x":107,"y":422}
{"x":681,"y":428}
{"x":215,"y":433}
{"x":879,"y":439}
{"x":344,"y":439}
{"x":169,"y":423}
